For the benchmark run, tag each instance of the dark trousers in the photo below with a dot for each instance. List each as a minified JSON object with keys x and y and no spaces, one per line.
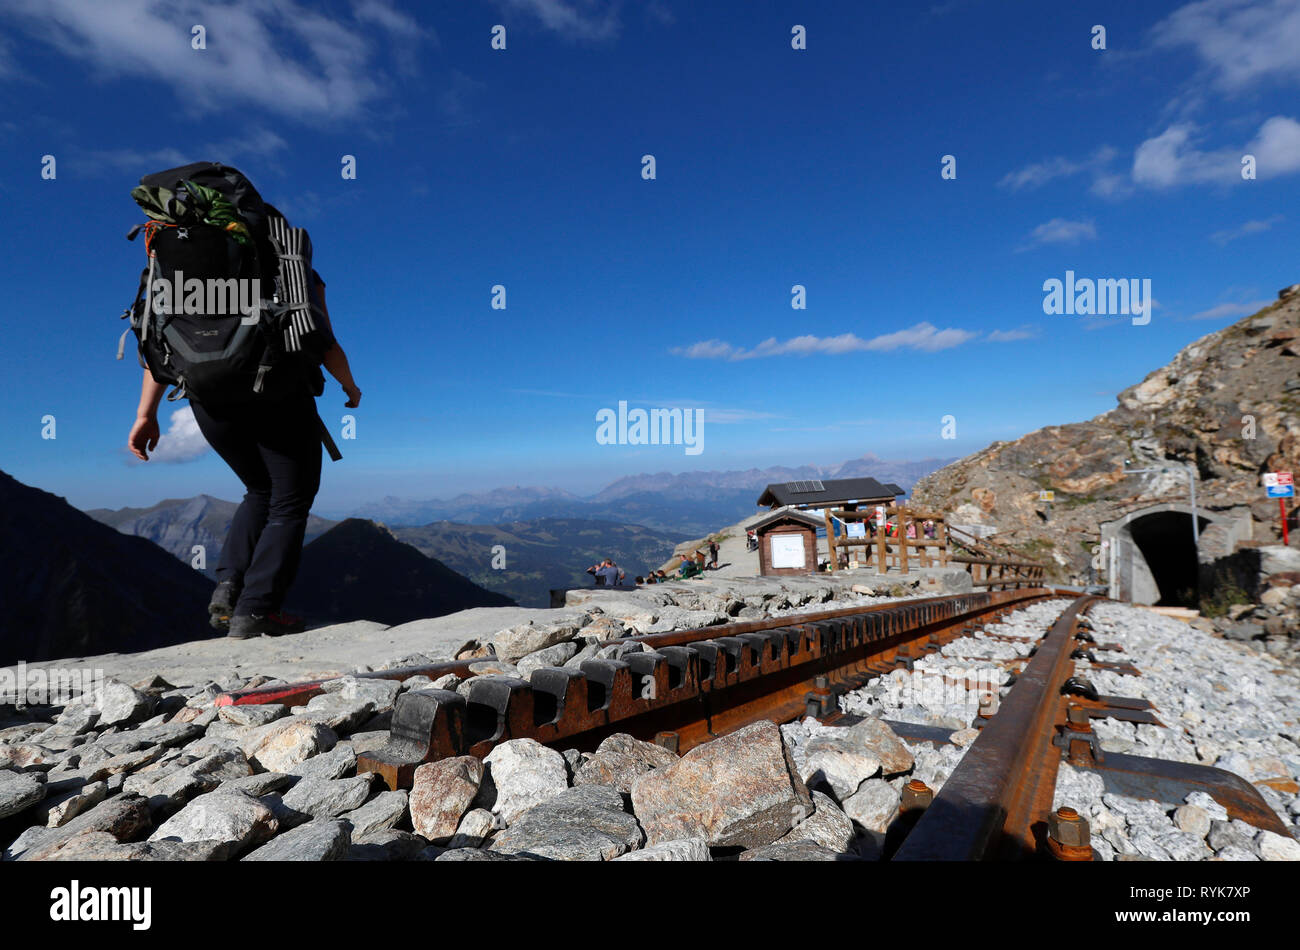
{"x":274,"y":447}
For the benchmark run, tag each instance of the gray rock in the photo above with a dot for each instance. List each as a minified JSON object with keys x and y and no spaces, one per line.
{"x":381,"y":693}
{"x":336,"y":763}
{"x":441,"y":793}
{"x":683,"y":849}
{"x":517,"y":642}
{"x":614,"y":769}
{"x":280,"y":746}
{"x":474,"y":854}
{"x":252,"y":715}
{"x":125,"y":817}
{"x":205,"y":775}
{"x":1192,"y":819}
{"x":117,"y":702}
{"x":586,"y":823}
{"x":588,"y":652}
{"x":1272,"y":846}
{"x":326,"y":798}
{"x":1236,"y":853}
{"x":474,"y":829}
{"x":795,"y":850}
{"x":389,"y":845}
{"x":741,"y":789}
{"x":523,"y":774}
{"x":450,"y":681}
{"x":654,"y":756}
{"x":225,"y":815}
{"x":875,"y":736}
{"x":263,"y":783}
{"x":315,"y":841}
{"x":554,"y":655}
{"x":76,"y":719}
{"x":874,"y":806}
{"x":102,"y":846}
{"x":57,"y":811}
{"x":19,"y":791}
{"x":840,"y":768}
{"x":827,"y":826}
{"x":338,"y":711}
{"x":381,"y":813}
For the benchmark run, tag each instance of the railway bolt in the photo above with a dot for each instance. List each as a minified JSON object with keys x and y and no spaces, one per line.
{"x":1069,"y":837}
{"x":988,"y":705}
{"x":916,"y":796}
{"x":668,"y":740}
{"x":1077,"y":718}
{"x":819,"y":701}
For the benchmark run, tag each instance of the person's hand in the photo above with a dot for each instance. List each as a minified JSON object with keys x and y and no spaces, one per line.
{"x":354,"y":397}
{"x":144,"y":437}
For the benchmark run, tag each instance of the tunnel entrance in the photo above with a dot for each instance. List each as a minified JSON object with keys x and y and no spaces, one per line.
{"x":1164,"y":539}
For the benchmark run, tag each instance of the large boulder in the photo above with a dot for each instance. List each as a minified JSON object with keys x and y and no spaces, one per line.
{"x":739,"y":790}
{"x":586,"y":823}
{"x":442,"y":793}
{"x":521,"y":773}
{"x":280,"y":746}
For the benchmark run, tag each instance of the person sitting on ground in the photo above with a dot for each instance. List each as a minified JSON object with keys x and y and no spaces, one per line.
{"x":640,"y":580}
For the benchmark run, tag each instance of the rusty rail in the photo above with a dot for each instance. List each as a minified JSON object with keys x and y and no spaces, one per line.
{"x":689,"y":687}
{"x":997,"y":804}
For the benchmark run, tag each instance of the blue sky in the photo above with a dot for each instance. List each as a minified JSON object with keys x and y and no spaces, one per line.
{"x":774,"y":167}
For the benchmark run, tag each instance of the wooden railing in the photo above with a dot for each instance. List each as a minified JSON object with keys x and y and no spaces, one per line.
{"x":990,"y":565}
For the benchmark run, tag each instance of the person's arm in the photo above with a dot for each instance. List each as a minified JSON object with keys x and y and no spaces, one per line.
{"x":336,"y":361}
{"x":144,"y":434}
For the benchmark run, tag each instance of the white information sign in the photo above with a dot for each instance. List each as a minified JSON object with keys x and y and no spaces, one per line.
{"x":788,"y":550}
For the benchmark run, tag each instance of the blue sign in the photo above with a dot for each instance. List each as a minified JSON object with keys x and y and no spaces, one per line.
{"x":1280,"y":491}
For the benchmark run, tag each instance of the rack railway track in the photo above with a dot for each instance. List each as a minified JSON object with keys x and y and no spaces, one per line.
{"x":690,"y":686}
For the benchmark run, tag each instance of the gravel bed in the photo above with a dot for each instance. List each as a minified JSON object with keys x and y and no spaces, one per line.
{"x":1223,"y":705}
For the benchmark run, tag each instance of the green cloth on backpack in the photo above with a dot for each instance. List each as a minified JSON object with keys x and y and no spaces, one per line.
{"x":206,"y":205}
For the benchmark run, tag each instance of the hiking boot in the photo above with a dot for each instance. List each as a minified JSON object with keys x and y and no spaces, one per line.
{"x":243,"y":626}
{"x":223,"y":603}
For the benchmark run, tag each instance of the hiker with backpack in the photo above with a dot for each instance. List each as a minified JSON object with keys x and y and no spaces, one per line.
{"x":251,"y":371}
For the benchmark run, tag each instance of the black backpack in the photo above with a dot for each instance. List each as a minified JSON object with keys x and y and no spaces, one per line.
{"x":224,"y":310}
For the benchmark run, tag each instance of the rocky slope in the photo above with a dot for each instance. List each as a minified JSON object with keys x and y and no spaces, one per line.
{"x":1198,"y":410}
{"x":71,"y":586}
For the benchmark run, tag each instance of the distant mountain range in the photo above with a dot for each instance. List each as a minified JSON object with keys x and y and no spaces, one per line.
{"x":686,"y":505}
{"x":539,"y":555}
{"x":358,"y":570}
{"x":181,"y":524}
{"x":550,"y":536}
{"x":72,"y":587}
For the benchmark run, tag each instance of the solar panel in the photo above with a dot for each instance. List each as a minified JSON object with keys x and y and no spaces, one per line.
{"x":803,"y":487}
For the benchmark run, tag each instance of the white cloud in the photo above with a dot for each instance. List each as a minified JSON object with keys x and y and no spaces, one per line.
{"x":182,"y":442}
{"x":1250,"y":227}
{"x":1040,"y":173}
{"x":1230,"y":310}
{"x":575,"y":19}
{"x":1010,"y":336}
{"x":1172,"y":158}
{"x":923,"y":336}
{"x":286,"y":57}
{"x":1239,"y":43}
{"x":1060,"y":231}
